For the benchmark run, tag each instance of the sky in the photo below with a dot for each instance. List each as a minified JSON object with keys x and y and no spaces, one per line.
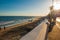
{"x":24,"y":7}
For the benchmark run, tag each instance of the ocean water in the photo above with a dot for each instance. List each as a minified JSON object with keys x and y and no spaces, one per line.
{"x":13,"y":20}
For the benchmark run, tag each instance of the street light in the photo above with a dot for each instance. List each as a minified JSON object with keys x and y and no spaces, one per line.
{"x":51,"y":11}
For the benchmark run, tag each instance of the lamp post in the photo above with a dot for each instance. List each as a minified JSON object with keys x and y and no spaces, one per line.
{"x":51,"y":12}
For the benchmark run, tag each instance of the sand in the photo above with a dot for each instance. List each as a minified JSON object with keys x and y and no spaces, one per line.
{"x":17,"y":31}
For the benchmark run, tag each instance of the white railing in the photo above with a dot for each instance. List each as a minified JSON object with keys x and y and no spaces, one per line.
{"x":38,"y":33}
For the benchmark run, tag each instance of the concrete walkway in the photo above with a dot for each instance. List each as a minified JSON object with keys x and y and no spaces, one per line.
{"x":38,"y":33}
{"x":55,"y":33}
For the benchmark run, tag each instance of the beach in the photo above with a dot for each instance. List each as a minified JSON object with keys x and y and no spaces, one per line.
{"x":19,"y":30}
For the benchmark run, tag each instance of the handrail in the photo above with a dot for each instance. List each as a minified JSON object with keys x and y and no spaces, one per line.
{"x":38,"y":33}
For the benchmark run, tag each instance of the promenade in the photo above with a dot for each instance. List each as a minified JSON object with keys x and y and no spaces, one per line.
{"x":55,"y":33}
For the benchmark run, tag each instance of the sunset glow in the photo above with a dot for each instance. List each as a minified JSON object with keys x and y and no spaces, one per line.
{"x":56,"y":6}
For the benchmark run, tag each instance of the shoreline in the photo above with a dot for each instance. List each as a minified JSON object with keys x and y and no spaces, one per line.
{"x":18,"y":30}
{"x":16,"y":25}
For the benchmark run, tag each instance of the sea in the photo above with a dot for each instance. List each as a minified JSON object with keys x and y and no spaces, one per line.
{"x":13,"y":20}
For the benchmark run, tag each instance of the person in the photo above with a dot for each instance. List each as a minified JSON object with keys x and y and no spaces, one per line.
{"x":51,"y":18}
{"x":0,"y":27}
{"x":4,"y":27}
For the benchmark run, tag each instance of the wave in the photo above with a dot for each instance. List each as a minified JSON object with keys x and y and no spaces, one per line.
{"x":13,"y":22}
